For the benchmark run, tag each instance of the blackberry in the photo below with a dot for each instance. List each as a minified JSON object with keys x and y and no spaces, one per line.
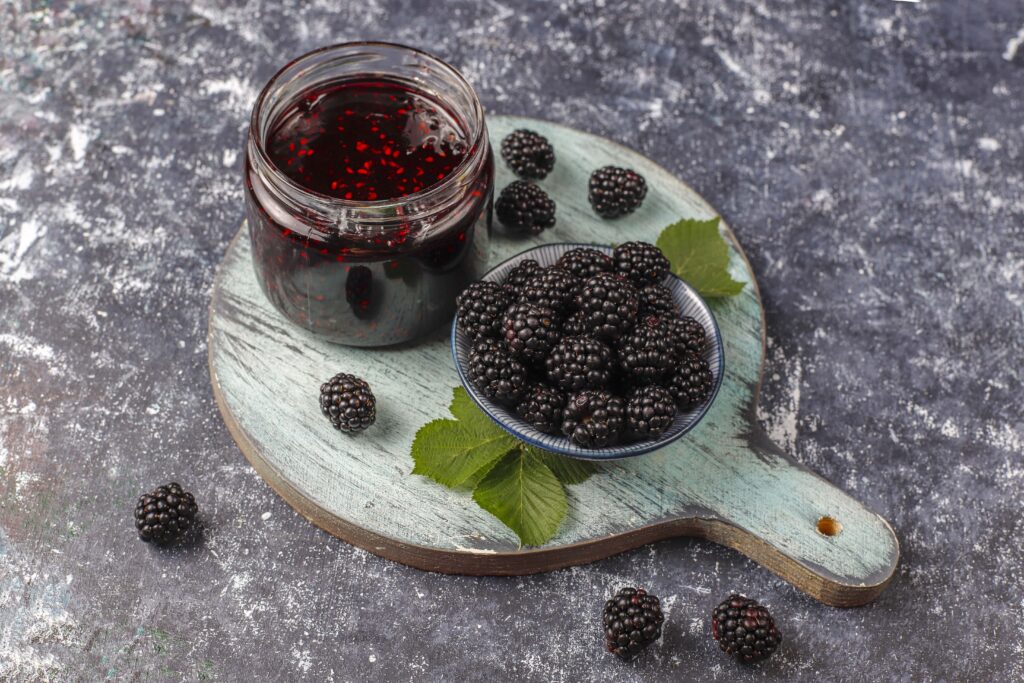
{"x":584,"y":262}
{"x":574,"y":325}
{"x":641,"y":262}
{"x":348,"y":403}
{"x":359,"y":290}
{"x":615,"y":191}
{"x":632,"y":621}
{"x":166,"y":515}
{"x":691,"y":382}
{"x":495,"y":373}
{"x":528,"y":154}
{"x":608,"y":306}
{"x":647,"y":353}
{"x":524,"y":208}
{"x":594,"y":418}
{"x":690,"y":334}
{"x":657,"y":300}
{"x":542,"y":406}
{"x":481,"y":308}
{"x":552,"y":288}
{"x":519,"y":276}
{"x":744,"y":629}
{"x":530,"y":331}
{"x":650,"y":411}
{"x":577,"y":363}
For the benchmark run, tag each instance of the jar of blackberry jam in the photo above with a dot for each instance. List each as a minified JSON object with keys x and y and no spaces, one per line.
{"x":368,"y":184}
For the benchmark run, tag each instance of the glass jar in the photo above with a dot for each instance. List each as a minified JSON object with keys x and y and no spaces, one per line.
{"x":372,"y":266}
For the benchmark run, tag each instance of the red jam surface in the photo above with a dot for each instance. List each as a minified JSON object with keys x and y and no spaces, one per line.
{"x":366,"y":141}
{"x":367,"y":286}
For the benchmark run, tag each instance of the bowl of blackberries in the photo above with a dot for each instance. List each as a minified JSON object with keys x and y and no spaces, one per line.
{"x":588,"y":351}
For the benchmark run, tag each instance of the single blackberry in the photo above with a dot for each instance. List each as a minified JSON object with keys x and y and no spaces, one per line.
{"x":530,"y":331}
{"x":495,"y":373}
{"x":690,"y":334}
{"x":577,"y":363}
{"x":641,"y":262}
{"x":552,"y":288}
{"x":519,"y":276}
{"x":524,"y":208}
{"x":615,"y":191}
{"x":359,"y":290}
{"x":542,"y":406}
{"x":647,"y":353}
{"x":691,"y":382}
{"x":744,"y":629}
{"x":632,"y":621}
{"x":650,"y":411}
{"x":594,"y":418}
{"x":584,"y":262}
{"x":574,"y":325}
{"x":166,"y":515}
{"x":348,"y":403}
{"x":608,"y":306}
{"x":528,"y":154}
{"x":481,"y":307}
{"x":657,"y":300}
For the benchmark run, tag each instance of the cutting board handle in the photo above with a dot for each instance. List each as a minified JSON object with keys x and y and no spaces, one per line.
{"x":797,"y":524}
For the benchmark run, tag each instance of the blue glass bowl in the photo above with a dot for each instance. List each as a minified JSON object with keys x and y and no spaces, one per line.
{"x":689,"y":302}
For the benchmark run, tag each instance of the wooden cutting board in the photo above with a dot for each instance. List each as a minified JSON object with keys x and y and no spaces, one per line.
{"x":724,"y":481}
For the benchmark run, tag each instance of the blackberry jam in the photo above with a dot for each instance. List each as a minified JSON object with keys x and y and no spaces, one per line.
{"x":369,"y":181}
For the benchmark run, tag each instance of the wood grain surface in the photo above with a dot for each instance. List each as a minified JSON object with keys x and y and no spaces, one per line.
{"x":724,"y":481}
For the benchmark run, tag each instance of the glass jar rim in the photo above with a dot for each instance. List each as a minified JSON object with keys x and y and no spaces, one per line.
{"x":476,"y":135}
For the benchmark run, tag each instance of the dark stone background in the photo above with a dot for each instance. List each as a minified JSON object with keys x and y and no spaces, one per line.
{"x":868,"y":156}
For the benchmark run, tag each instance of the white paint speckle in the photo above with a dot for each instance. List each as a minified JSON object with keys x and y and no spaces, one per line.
{"x":1013,"y":45}
{"x":26,"y":347}
{"x":20,"y":179}
{"x":782,"y":423}
{"x":78,"y":141}
{"x":989,"y":144}
{"x":15,"y":247}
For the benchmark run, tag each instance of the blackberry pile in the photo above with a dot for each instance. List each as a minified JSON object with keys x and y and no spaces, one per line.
{"x":593,"y":347}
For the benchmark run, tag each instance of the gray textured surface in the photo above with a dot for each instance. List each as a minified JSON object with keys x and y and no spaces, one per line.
{"x":867,"y":154}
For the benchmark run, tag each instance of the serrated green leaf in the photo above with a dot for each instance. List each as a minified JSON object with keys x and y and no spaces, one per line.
{"x":700,"y":256}
{"x":525,"y":495}
{"x":459,"y":452}
{"x":450,"y":451}
{"x":463,"y":408}
{"x":568,"y":470}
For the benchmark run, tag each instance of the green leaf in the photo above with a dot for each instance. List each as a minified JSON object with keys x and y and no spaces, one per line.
{"x":451,"y":452}
{"x":568,"y":470}
{"x":700,"y":256}
{"x":520,"y":485}
{"x":525,"y":495}
{"x":463,"y":408}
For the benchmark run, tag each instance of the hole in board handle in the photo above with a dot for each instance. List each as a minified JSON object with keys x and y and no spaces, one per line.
{"x":829,"y":526}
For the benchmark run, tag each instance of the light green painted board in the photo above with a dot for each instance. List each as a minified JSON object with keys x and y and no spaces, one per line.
{"x":724,"y":481}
